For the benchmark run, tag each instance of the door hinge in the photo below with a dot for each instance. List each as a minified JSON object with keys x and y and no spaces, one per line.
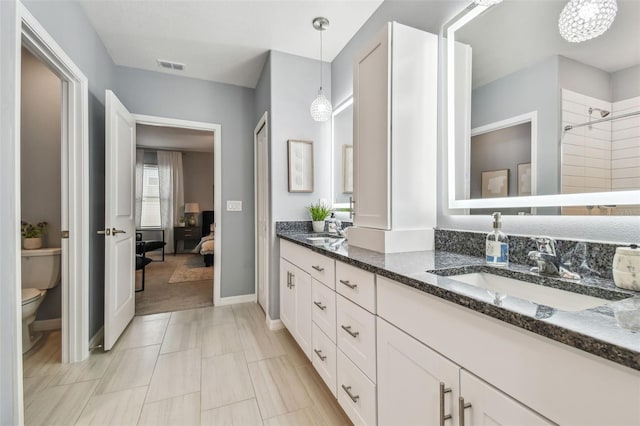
{"x":65,"y":234}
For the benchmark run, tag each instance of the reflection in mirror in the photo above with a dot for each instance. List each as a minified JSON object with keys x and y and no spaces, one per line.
{"x":342,"y":153}
{"x":519,"y":64}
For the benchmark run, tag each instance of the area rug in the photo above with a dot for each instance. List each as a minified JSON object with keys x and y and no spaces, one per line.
{"x":193,"y":269}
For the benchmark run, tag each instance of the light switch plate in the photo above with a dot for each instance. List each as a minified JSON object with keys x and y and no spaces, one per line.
{"x":234,"y":206}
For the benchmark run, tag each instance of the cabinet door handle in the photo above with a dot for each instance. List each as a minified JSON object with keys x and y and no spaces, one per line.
{"x":348,"y":284}
{"x":347,"y":328}
{"x":461,"y":407}
{"x":288,"y":279}
{"x":319,"y":353}
{"x":353,"y":397}
{"x":293,"y":277}
{"x":318,"y":268}
{"x":319,"y":305}
{"x":443,"y":416}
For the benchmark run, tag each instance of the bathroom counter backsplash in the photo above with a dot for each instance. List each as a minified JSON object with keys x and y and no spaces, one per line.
{"x":594,"y":330}
{"x":588,"y":259}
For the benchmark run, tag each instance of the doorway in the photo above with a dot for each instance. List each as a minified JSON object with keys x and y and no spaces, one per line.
{"x":19,"y":28}
{"x":261,"y":184}
{"x":174,"y":220}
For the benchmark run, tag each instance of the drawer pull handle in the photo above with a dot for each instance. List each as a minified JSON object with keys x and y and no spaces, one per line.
{"x":319,"y":305}
{"x":318,"y":268}
{"x":461,"y":407}
{"x":348,"y":284}
{"x":443,"y":416}
{"x":347,"y":328}
{"x":353,"y":397}
{"x":319,"y":353}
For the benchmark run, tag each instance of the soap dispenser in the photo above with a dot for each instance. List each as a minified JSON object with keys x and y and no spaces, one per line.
{"x":497,"y":247}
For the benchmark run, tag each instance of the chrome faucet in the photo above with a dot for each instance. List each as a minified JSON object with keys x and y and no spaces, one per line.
{"x":549,"y":260}
{"x":339,"y":229}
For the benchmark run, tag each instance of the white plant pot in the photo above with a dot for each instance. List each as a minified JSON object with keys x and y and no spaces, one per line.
{"x":32,"y":243}
{"x":318,"y":225}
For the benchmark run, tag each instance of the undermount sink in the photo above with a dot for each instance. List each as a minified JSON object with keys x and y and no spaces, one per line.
{"x":324,"y":237}
{"x":549,"y":296}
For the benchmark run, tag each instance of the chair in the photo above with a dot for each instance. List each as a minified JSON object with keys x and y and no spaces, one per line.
{"x":143,"y":247}
{"x":141,"y":262}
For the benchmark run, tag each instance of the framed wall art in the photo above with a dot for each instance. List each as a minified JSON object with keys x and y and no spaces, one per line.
{"x":300,"y":161}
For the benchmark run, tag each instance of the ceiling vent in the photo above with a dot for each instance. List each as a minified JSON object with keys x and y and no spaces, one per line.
{"x":170,"y":65}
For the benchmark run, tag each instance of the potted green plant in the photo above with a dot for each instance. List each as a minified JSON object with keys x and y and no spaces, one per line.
{"x":318,"y":212}
{"x":32,"y":235}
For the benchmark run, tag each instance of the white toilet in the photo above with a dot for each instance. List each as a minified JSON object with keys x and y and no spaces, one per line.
{"x":40,"y":271}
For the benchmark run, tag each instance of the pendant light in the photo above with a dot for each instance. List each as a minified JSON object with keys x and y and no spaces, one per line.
{"x":321,"y":107}
{"x":582,"y":20}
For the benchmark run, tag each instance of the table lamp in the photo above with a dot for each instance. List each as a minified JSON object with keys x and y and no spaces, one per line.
{"x":191,"y":210}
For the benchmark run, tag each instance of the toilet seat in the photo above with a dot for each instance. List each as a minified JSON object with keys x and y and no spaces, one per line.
{"x":30,"y":294}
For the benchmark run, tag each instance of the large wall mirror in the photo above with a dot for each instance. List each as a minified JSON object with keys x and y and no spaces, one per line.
{"x":539,"y":125}
{"x":342,"y":154}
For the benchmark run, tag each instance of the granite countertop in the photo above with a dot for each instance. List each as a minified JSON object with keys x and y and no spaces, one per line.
{"x":595,"y":330}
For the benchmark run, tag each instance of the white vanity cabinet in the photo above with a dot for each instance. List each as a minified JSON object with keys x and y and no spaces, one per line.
{"x":395,"y":131}
{"x":416,"y":386}
{"x":295,"y":306}
{"x":507,"y":374}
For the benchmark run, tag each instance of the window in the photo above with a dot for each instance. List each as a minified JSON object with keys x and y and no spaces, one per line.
{"x":150,"y":197}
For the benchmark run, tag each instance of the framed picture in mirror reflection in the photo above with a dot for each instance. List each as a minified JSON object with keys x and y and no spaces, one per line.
{"x":524,"y":179}
{"x":495,"y":183}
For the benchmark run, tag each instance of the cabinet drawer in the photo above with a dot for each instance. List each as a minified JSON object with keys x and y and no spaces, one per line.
{"x":357,"y":285}
{"x":322,"y":269}
{"x":356,"y":393}
{"x":323,"y":309}
{"x":293,"y":252}
{"x":356,"y":333}
{"x":324,"y":357}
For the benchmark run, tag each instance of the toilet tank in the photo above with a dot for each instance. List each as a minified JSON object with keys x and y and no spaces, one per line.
{"x":41,"y":268}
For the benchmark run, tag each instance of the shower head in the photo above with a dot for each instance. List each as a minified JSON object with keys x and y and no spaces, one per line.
{"x":603,"y":113}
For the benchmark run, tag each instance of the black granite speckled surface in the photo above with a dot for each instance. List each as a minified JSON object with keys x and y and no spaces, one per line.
{"x":585,"y":258}
{"x":599,"y":331}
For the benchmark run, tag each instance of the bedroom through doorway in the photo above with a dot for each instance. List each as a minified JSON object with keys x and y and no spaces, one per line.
{"x":175,"y":218}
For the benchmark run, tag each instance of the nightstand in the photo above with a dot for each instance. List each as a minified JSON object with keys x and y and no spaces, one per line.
{"x":185,"y":233}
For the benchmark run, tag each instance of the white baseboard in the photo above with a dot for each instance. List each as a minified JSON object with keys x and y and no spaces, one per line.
{"x":234,"y":300}
{"x":274,"y":324}
{"x":97,"y":338}
{"x":47,"y":325}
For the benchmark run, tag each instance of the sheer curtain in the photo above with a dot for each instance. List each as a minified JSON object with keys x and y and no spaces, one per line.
{"x":171,"y":192}
{"x":139,"y":185}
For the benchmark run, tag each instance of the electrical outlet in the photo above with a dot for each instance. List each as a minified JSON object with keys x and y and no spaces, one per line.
{"x":234,"y":206}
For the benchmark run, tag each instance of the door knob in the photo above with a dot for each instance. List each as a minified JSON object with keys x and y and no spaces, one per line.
{"x":115,"y":231}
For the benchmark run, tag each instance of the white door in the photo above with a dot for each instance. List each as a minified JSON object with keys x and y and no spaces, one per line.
{"x":489,"y":406}
{"x":262,"y":214}
{"x":371,"y":144}
{"x":302,"y":286}
{"x":120,"y":159}
{"x":409,"y":381}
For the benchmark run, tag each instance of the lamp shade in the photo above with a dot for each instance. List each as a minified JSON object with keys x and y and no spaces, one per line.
{"x":192,"y":208}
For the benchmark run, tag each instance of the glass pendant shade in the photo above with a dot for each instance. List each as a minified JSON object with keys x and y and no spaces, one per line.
{"x":321,"y":108}
{"x":486,"y":3}
{"x":582,"y":20}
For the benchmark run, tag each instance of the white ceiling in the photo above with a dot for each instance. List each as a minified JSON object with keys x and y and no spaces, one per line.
{"x":173,"y":138}
{"x":222,"y":40}
{"x":516,"y":34}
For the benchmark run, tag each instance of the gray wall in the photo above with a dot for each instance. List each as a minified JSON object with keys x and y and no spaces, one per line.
{"x":70,"y":28}
{"x":233,"y":107}
{"x":584,"y":79}
{"x":532,"y":89}
{"x":294,"y":85}
{"x":625,"y":83}
{"x":40,"y":155}
{"x":198,"y":178}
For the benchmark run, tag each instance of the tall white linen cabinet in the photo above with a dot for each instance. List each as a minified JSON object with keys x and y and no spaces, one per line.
{"x":395,"y":141}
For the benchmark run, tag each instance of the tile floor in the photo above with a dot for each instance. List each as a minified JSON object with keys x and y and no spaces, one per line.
{"x":205,"y":366}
